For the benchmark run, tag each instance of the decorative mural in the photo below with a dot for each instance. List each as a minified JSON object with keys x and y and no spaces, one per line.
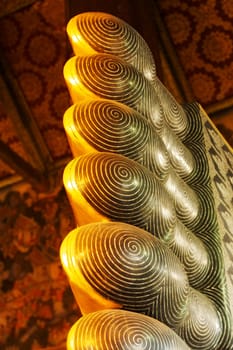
{"x":201,"y":32}
{"x":36,"y":304}
{"x":36,"y":57}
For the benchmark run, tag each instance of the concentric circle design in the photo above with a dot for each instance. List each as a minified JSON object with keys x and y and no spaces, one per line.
{"x":33,"y":85}
{"x":106,"y":33}
{"x":216,"y":46}
{"x":109,"y":77}
{"x":11,"y":28}
{"x":122,"y":330}
{"x":181,"y":158}
{"x":185,"y":199}
{"x":130,"y":267}
{"x":109,"y":126}
{"x":193,"y":254}
{"x":174,"y":114}
{"x":202,"y":327}
{"x":42,"y":49}
{"x":118,"y":187}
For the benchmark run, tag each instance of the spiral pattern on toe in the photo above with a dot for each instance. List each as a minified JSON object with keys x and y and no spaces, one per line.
{"x":118,"y":187}
{"x":116,"y":64}
{"x":109,"y":126}
{"x":111,"y":78}
{"x":201,"y":328}
{"x":174,"y":114}
{"x":186,"y":200}
{"x":130,"y":267}
{"x":122,"y":330}
{"x":107,"y":76}
{"x":181,"y":158}
{"x":106,"y":33}
{"x":192,"y":253}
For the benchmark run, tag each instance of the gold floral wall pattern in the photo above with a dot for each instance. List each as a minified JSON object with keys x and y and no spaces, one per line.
{"x":201,"y":32}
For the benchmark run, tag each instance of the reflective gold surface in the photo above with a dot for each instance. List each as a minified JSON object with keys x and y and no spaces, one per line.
{"x":107,"y":76}
{"x":104,"y":33}
{"x":148,"y":237}
{"x":122,"y":330}
{"x":118,"y":188}
{"x":128,"y":266}
{"x":105,"y":125}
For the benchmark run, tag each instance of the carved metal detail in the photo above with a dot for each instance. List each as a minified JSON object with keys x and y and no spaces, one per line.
{"x":120,"y":189}
{"x":105,"y":33}
{"x":141,"y":193}
{"x":107,"y":76}
{"x":122,"y":330}
{"x":129,"y":266}
{"x":109,"y":126}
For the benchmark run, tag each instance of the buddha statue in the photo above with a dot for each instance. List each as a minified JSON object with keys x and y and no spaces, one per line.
{"x":122,"y":330}
{"x":113,"y":265}
{"x":145,"y":254}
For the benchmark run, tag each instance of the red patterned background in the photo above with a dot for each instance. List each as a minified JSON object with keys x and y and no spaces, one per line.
{"x":201,"y":32}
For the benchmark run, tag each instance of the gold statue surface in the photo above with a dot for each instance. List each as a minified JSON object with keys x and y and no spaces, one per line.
{"x":147,"y":249}
{"x":122,"y":330}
